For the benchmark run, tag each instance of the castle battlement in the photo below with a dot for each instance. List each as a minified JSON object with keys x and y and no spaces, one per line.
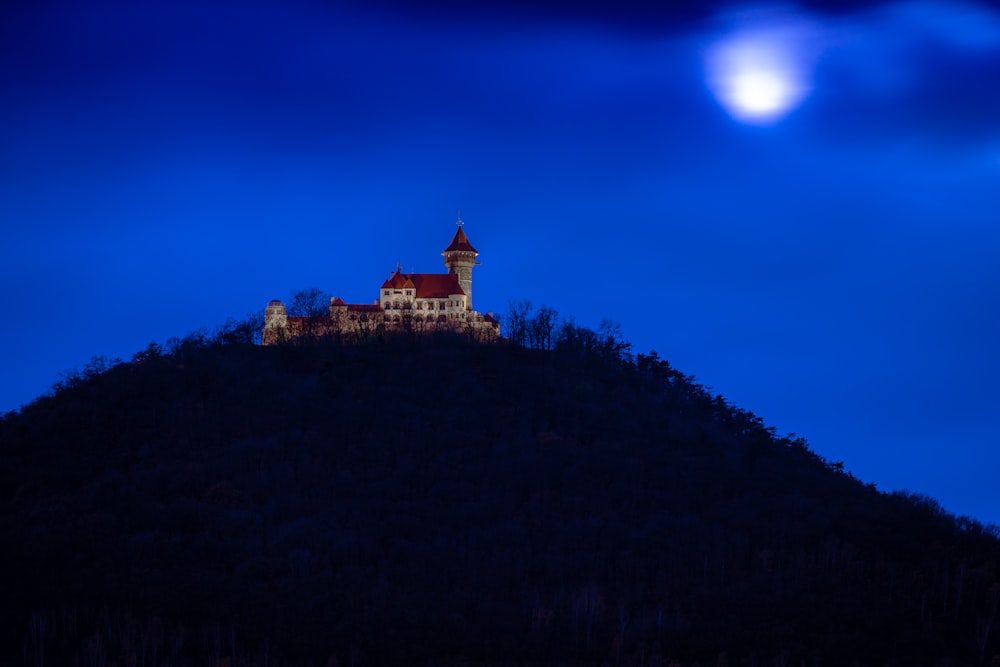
{"x":407,"y":302}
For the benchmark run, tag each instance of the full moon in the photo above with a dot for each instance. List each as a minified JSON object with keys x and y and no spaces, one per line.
{"x":760,"y":92}
{"x":757,"y":75}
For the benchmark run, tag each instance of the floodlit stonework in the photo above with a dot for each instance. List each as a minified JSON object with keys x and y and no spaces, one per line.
{"x":407,"y":302}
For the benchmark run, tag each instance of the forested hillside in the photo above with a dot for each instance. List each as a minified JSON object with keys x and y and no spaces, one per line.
{"x":433,"y":500}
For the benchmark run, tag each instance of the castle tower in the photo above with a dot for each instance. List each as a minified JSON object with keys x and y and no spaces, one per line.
{"x":460,"y":257}
{"x":275,"y":323}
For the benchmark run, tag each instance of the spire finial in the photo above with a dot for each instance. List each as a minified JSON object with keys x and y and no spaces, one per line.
{"x":399,"y":267}
{"x":460,"y":221}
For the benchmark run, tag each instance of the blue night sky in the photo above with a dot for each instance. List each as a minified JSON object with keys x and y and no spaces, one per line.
{"x":797,"y":206}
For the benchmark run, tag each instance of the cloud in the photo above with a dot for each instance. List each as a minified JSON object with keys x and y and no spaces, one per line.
{"x":924,"y":71}
{"x":638,"y":17}
{"x":965,"y":25}
{"x":921,"y":71}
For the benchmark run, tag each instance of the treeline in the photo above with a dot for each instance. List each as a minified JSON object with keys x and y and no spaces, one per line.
{"x":244,"y":331}
{"x":552,"y":498}
{"x":542,"y":329}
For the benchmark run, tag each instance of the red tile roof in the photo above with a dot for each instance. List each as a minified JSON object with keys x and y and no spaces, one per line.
{"x":436,"y":285}
{"x":428,"y":285}
{"x":460,"y":243}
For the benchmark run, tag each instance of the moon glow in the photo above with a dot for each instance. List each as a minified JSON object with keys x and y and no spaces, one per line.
{"x":757,"y":76}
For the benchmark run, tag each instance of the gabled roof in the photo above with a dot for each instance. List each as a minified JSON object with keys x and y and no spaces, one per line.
{"x":428,"y":285}
{"x":398,"y":280}
{"x":460,"y":243}
{"x":436,"y":285}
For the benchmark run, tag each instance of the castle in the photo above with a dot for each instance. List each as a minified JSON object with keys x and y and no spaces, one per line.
{"x":408,"y":302}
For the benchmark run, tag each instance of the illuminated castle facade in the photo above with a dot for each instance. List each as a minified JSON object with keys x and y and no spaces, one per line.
{"x":407,"y":302}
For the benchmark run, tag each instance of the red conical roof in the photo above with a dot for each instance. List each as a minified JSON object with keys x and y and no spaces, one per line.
{"x":460,"y":243}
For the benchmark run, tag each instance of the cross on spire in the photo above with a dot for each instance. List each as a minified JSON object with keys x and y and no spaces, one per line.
{"x":460,"y":221}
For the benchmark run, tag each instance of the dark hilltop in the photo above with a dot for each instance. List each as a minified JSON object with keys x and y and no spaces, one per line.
{"x":549,"y":498}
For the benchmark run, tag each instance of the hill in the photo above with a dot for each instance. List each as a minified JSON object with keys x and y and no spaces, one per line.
{"x":431,"y":500}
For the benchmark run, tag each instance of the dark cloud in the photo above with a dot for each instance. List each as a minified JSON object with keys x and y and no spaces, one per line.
{"x":956,"y":97}
{"x":639,"y":16}
{"x":945,"y":97}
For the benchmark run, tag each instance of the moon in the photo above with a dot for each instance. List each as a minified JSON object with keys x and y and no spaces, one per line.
{"x":760,"y":93}
{"x":758,"y":75}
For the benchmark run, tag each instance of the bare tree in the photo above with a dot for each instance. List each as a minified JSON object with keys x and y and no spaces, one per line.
{"x":250,"y":329}
{"x":612,"y":339}
{"x":311,"y":303}
{"x":516,"y":321}
{"x":541,"y":326}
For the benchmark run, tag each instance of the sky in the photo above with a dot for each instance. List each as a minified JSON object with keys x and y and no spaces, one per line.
{"x":797,"y":204}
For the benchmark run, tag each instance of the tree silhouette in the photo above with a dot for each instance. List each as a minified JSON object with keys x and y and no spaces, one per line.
{"x":311,"y":304}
